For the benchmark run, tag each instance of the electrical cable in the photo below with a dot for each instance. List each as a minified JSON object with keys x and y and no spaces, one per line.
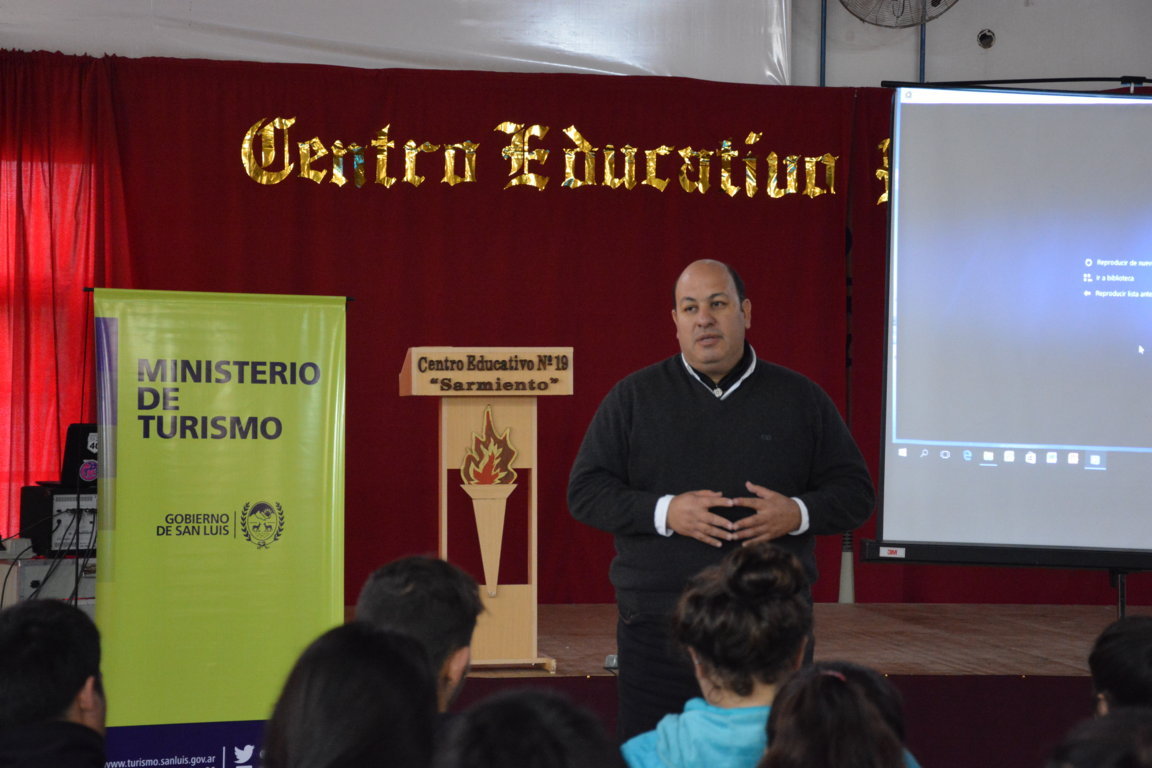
{"x":8,"y":573}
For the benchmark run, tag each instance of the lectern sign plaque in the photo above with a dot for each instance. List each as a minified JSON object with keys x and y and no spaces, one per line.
{"x":488,"y":371}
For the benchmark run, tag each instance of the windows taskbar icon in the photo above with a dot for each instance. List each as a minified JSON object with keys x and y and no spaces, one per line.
{"x":993,"y":457}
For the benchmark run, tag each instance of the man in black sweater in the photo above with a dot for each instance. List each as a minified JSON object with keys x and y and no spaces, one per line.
{"x":705,"y":451}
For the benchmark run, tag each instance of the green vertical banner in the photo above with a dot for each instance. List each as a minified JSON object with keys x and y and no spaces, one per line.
{"x":220,"y":513}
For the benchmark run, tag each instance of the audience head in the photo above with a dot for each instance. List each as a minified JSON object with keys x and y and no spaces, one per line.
{"x":433,"y":601}
{"x":357,"y":696}
{"x":822,"y":718}
{"x":875,"y":687}
{"x":526,"y":729}
{"x":1121,"y":739}
{"x":49,"y":666}
{"x":746,"y":619}
{"x":1121,"y":664}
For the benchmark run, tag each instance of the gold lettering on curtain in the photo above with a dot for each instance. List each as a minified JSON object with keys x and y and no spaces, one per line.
{"x":585,"y":165}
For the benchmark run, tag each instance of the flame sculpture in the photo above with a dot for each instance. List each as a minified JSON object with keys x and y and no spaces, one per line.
{"x":489,"y":460}
{"x":489,"y":480}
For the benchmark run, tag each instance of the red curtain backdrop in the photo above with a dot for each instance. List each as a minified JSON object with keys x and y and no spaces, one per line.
{"x":59,"y":213}
{"x":502,"y":258}
{"x":484,"y":264}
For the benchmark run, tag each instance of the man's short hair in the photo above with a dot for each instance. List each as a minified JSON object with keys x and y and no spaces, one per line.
{"x":732,"y":273}
{"x":426,"y":598}
{"x":48,"y":650}
{"x":1121,"y":662}
{"x":737,"y":281}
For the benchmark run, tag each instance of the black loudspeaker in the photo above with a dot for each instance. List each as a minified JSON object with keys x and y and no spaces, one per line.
{"x":58,"y":521}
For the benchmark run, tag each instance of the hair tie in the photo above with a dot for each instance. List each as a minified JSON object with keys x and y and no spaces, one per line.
{"x":834,"y":673}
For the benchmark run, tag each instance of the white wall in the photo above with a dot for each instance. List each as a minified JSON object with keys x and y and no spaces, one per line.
{"x":742,"y":41}
{"x":1034,"y":38}
{"x":735,"y":40}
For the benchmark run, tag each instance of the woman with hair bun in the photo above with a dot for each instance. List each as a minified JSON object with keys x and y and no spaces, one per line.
{"x":745,"y":623}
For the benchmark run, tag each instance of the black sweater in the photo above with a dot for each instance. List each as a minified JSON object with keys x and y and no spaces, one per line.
{"x":56,"y":744}
{"x":661,"y":432}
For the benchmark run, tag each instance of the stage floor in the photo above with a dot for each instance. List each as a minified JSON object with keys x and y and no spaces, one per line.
{"x":896,"y":639}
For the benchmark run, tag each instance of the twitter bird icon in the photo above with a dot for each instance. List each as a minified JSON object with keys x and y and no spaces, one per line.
{"x":243,"y":754}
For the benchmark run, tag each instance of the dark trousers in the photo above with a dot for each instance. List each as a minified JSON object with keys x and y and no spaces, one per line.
{"x":655,"y":676}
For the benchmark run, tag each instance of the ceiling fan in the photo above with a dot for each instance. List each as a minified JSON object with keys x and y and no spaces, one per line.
{"x":897,"y":13}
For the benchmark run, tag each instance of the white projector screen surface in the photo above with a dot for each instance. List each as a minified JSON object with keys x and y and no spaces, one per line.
{"x":1019,"y":369}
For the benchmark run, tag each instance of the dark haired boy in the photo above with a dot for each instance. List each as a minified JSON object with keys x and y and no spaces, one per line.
{"x":51,"y":698}
{"x":436,"y":603}
{"x":1121,"y":664}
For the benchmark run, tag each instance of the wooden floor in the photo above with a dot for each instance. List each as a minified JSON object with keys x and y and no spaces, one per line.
{"x":896,"y":639}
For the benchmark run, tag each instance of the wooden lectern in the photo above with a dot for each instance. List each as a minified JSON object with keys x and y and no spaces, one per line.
{"x":487,"y":479}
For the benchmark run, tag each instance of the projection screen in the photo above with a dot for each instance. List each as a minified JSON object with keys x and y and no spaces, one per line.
{"x":1018,"y":401}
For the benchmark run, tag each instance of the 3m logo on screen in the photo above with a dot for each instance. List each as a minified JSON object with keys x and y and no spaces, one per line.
{"x":262,"y":523}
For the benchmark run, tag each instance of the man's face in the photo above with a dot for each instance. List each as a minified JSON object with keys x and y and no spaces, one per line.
{"x":710,"y":319}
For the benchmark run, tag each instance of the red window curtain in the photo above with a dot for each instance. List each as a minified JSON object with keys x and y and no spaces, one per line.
{"x":58,"y":208}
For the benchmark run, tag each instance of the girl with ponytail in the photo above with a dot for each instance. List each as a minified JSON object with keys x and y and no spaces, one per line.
{"x":836,"y":714}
